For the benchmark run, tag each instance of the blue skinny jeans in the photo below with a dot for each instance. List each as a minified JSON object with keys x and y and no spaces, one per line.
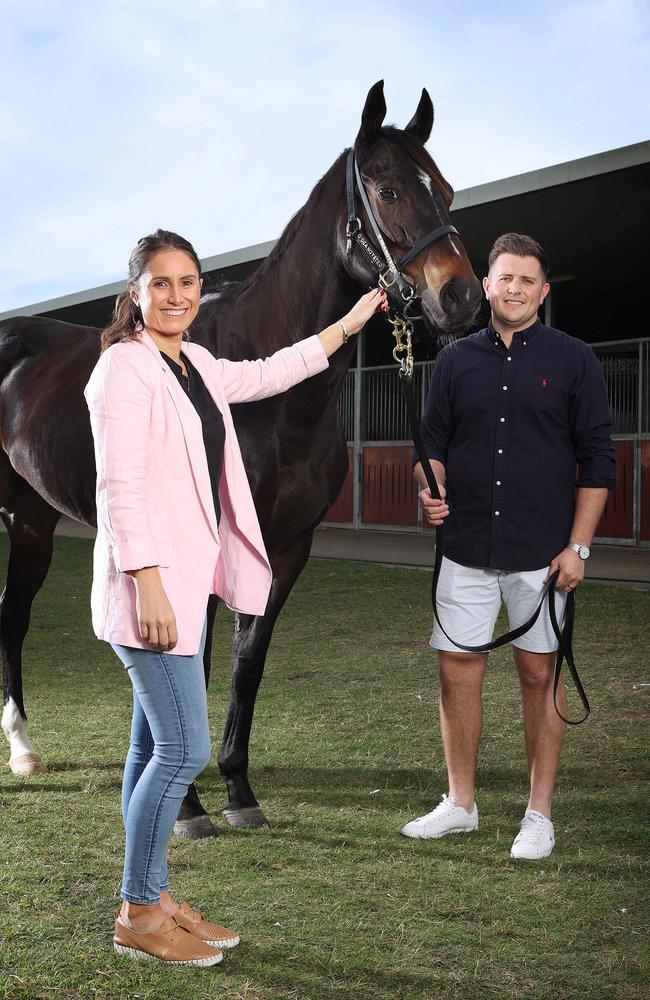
{"x":170,"y":746}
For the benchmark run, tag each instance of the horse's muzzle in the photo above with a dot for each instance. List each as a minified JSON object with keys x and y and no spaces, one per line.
{"x":455,"y":306}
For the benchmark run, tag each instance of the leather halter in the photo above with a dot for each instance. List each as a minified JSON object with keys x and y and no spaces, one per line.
{"x":390,"y":276}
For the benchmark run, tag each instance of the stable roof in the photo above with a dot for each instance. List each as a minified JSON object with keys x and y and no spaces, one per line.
{"x":591,"y":215}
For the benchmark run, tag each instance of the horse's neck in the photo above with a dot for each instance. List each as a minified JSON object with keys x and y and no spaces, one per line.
{"x":298,"y":292}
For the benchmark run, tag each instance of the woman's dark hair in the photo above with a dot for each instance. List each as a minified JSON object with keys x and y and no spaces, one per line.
{"x":127,"y":318}
{"x":520,"y":246}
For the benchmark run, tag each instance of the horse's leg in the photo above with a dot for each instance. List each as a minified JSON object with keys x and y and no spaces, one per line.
{"x":252,"y":638}
{"x":30,"y":523}
{"x":193,"y":821}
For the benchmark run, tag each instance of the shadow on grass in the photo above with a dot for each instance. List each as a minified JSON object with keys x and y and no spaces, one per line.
{"x":329,"y":785}
{"x":350,"y":786}
{"x":37,"y":786}
{"x":315,"y":978}
{"x":88,"y":765}
{"x":382,"y":793}
{"x":27,"y":783}
{"x":479,"y":853}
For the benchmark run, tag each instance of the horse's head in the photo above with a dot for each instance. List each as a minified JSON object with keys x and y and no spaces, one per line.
{"x":409,"y":198}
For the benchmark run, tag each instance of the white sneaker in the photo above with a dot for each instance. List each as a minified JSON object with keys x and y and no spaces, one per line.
{"x":536,"y":837}
{"x":446,"y":818}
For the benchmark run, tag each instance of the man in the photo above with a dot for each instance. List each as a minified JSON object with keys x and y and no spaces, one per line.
{"x":512,"y":411}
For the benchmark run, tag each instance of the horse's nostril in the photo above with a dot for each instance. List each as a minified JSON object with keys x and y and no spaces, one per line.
{"x":450,"y":295}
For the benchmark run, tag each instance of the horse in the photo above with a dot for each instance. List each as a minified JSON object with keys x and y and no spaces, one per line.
{"x":293,"y":444}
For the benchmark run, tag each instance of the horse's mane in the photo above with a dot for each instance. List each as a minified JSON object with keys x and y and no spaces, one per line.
{"x":287,"y":237}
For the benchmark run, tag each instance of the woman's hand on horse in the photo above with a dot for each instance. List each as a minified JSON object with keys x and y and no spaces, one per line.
{"x":368,"y":304}
{"x":334,"y":336}
{"x":435,"y":511}
{"x":156,"y":618}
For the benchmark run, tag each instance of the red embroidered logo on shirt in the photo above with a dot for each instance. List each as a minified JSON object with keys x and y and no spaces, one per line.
{"x":544,"y":382}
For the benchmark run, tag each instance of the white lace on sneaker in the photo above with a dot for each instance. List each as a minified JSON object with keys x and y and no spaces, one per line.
{"x":447,"y":817}
{"x":536,"y":837}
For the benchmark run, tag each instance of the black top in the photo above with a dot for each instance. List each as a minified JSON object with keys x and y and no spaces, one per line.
{"x":214,"y":432}
{"x":510,"y":427}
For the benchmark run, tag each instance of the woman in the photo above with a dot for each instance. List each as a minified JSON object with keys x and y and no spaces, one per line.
{"x":175,"y":523}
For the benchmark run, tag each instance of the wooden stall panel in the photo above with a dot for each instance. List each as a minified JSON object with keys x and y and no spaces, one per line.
{"x":617,"y":521}
{"x":389,"y":494}
{"x":645,"y":491}
{"x":342,"y":510}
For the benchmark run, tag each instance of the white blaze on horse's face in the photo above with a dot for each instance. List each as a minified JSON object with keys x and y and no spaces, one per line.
{"x":168,"y":293}
{"x":426,"y":180}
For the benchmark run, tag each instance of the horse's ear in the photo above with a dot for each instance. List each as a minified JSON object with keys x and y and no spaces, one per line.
{"x":421,"y":123}
{"x":374,"y":112}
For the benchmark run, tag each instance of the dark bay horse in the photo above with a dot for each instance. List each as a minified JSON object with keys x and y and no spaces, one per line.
{"x":293,"y":444}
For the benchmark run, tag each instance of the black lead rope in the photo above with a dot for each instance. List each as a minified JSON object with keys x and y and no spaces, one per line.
{"x":564,"y":635}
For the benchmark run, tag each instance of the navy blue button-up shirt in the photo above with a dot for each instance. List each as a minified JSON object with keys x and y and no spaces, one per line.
{"x":511,"y":426}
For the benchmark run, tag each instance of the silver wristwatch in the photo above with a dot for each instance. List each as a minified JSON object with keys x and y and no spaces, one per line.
{"x":582,"y":550}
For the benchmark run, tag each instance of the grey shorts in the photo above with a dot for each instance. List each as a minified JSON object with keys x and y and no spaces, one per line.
{"x":469,"y":600}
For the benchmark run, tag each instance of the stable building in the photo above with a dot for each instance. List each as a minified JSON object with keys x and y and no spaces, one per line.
{"x":591,"y":215}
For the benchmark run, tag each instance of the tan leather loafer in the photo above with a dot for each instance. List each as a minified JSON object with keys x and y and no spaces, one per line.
{"x":170,"y":943}
{"x":212,"y":934}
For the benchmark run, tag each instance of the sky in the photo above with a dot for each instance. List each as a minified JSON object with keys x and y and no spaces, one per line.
{"x":215,"y":118}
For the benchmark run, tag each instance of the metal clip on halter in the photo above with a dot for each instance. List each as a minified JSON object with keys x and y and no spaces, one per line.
{"x":403,"y":350}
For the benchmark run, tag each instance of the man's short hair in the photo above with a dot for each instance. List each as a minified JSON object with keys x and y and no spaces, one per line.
{"x":520,"y":246}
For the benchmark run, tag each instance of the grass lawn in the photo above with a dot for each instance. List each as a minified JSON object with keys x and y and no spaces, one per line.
{"x":331,"y":902}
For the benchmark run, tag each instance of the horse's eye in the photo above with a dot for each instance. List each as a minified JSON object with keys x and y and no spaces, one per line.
{"x":387,"y":194}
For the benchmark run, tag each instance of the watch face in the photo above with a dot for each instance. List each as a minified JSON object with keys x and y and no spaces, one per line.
{"x":583,"y":552}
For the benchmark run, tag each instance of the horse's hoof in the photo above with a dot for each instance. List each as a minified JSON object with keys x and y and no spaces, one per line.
{"x":250,"y":818}
{"x":27,"y":763}
{"x":195,"y":828}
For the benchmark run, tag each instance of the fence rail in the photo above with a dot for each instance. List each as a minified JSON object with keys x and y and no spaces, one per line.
{"x":625,"y":365}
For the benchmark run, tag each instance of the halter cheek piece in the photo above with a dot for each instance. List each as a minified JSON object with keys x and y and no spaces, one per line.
{"x":390,"y":276}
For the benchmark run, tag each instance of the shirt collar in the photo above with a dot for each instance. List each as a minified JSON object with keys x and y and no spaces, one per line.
{"x":522,"y":335}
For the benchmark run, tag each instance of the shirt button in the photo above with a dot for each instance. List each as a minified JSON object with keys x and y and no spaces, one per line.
{"x":505,"y":387}
{"x":498,"y":482}
{"x":501,"y":451}
{"x":508,"y":359}
{"x":502,"y":419}
{"x":496,"y":513}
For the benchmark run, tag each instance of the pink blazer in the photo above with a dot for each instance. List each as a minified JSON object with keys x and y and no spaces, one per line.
{"x":154,"y":499}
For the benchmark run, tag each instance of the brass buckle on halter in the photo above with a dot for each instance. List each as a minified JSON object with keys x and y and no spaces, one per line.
{"x":383,"y":281}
